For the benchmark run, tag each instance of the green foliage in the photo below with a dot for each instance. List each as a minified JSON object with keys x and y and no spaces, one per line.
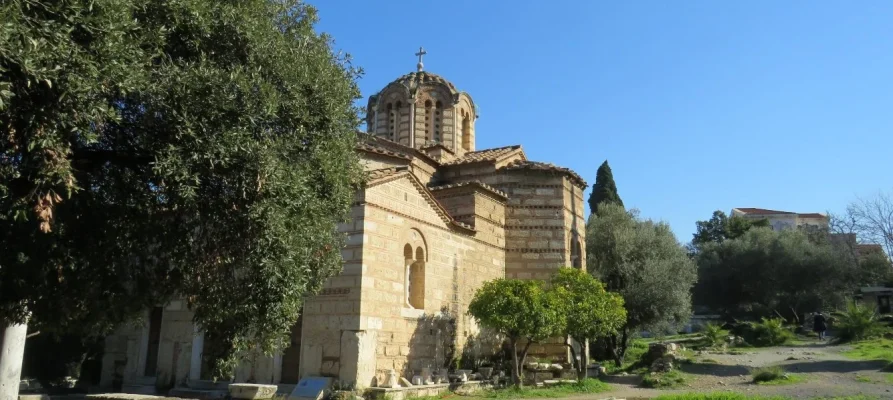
{"x":714,"y":335}
{"x":771,"y":332}
{"x":590,"y":311}
{"x":875,"y":349}
{"x":774,"y":375}
{"x":198,"y":148}
{"x":518,"y":309}
{"x":604,"y":190}
{"x":766,"y":272}
{"x":857,"y":322}
{"x":669,"y":380}
{"x":875,"y":268}
{"x":720,"y":228}
{"x":644,"y":263}
{"x":584,"y":386}
{"x":767,"y":374}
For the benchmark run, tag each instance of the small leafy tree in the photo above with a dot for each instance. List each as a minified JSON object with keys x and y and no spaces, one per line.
{"x":518,"y":309}
{"x":590,"y":311}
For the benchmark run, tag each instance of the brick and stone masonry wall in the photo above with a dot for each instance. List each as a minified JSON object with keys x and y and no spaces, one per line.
{"x":332,"y":317}
{"x":455,"y":266}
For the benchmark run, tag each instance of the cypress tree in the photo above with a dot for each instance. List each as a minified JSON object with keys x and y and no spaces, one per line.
{"x":604,"y":189}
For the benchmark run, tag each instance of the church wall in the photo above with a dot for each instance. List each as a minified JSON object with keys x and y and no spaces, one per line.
{"x":455,"y":265}
{"x":574,"y":221}
{"x":478,"y":208}
{"x":334,"y":313}
{"x":373,"y":161}
{"x":424,"y":171}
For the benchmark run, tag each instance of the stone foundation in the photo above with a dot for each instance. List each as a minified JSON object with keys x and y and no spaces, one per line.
{"x":403,"y":393}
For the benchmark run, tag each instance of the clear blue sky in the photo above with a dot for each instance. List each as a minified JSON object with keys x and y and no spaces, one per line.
{"x":697,"y":105}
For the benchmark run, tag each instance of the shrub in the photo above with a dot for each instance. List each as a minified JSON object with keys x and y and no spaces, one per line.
{"x":714,"y":335}
{"x":767,"y":374}
{"x":667,"y":380}
{"x":856,"y":323}
{"x":771,"y":332}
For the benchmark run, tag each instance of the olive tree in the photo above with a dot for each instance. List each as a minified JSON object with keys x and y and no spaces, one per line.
{"x":643,"y":262}
{"x":196,"y":148}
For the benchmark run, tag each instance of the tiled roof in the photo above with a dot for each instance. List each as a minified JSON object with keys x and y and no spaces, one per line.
{"x":763,"y":211}
{"x":384,"y":175}
{"x":372,"y":148}
{"x":748,"y":210}
{"x":869,"y":247}
{"x":812,"y":215}
{"x":380,"y":145}
{"x":376,"y":174}
{"x":493,"y":154}
{"x":479,"y":184}
{"x":541,"y":166}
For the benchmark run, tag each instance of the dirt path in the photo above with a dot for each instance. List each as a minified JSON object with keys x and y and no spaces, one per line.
{"x":826,"y":371}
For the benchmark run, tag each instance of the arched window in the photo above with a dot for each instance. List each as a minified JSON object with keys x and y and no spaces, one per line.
{"x":438,"y":107}
{"x":414,"y":278}
{"x":576,"y":253}
{"x":391,"y":121}
{"x":466,"y":131}
{"x":428,"y":112}
{"x":417,"y":281}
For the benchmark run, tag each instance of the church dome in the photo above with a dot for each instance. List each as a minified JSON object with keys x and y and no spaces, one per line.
{"x":420,"y":109}
{"x":414,"y":80}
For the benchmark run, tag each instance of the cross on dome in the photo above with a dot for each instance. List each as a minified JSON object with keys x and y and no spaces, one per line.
{"x":420,"y":54}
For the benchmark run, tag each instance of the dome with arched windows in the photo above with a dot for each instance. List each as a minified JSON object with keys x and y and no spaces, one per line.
{"x":421,"y":109}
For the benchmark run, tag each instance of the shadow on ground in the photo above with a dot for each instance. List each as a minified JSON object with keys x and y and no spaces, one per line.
{"x":715,"y":369}
{"x":631,"y":379}
{"x":840,"y":366}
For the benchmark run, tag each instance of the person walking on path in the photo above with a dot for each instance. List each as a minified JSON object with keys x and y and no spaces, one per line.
{"x":819,"y":325}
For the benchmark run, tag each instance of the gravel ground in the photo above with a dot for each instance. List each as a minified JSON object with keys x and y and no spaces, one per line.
{"x":826,"y":371}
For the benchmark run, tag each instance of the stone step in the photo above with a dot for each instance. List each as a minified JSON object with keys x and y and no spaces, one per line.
{"x":190,"y":393}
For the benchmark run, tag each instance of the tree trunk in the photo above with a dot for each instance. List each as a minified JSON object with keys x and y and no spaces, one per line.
{"x":516,"y":367}
{"x":569,"y":342}
{"x":523,"y":361}
{"x":618,"y":347}
{"x":615,"y":351}
{"x":12,"y":351}
{"x":583,"y":363}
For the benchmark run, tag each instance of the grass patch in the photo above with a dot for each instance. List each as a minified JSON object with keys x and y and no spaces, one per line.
{"x":717,"y":396}
{"x":864,"y":379}
{"x":774,"y":375}
{"x":585,"y":386}
{"x":876,"y":349}
{"x":669,"y":380}
{"x":789,"y":379}
{"x":634,"y":352}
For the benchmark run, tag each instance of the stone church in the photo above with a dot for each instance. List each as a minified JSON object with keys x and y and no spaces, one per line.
{"x":436,"y":219}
